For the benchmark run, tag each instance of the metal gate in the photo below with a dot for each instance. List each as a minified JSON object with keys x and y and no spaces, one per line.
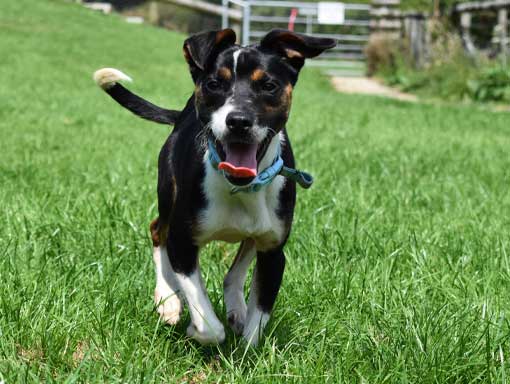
{"x":346,"y":59}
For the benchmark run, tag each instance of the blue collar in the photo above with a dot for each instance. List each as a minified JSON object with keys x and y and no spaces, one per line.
{"x":265,"y":177}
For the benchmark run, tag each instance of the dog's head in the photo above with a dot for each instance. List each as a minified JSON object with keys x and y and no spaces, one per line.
{"x":243,"y":94}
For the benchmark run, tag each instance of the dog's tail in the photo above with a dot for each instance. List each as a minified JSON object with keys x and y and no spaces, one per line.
{"x":108,"y":78}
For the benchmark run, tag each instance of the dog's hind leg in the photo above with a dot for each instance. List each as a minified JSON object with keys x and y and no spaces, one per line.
{"x":166,"y":299}
{"x":205,"y":326}
{"x":265,"y":285}
{"x":233,"y":286}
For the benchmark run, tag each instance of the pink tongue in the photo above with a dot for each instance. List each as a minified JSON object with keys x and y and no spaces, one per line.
{"x":241,"y":160}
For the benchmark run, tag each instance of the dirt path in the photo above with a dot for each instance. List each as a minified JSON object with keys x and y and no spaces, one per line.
{"x":368,"y":86}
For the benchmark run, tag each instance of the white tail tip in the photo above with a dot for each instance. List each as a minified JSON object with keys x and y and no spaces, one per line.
{"x":108,"y":77}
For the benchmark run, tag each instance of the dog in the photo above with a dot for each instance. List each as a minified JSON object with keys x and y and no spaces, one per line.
{"x":226,"y":172}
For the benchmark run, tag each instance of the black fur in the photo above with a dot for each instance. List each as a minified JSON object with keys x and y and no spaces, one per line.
{"x":141,"y":107}
{"x":264,"y":79}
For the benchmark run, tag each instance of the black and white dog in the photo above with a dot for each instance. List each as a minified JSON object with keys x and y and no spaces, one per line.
{"x":225,"y":173}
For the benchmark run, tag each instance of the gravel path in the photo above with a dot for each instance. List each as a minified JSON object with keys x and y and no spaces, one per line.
{"x":369,"y":86}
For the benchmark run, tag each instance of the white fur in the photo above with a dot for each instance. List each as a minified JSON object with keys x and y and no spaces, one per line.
{"x":239,"y":217}
{"x":108,"y":77}
{"x":234,"y":286}
{"x":255,"y":324}
{"x":233,"y":218}
{"x":166,"y":299}
{"x":219,"y":123}
{"x":236,"y":57}
{"x":218,"y":120}
{"x":259,"y":132}
{"x":272,"y":149}
{"x":256,"y":319}
{"x":205,"y":326}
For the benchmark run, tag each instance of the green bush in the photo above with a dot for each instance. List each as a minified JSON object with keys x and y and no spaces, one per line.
{"x":449,"y":73}
{"x":458,"y":79}
{"x":491,"y":84}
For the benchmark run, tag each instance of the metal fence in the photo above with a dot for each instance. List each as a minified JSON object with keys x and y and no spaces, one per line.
{"x":347,"y":58}
{"x":497,"y":30}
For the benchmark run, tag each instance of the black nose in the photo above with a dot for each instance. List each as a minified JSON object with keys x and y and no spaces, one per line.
{"x":239,"y":122}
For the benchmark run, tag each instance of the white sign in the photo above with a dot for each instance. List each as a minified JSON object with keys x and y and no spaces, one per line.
{"x":331,"y":13}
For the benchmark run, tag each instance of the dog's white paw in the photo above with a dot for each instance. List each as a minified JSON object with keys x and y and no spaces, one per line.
{"x":236,"y":319}
{"x":168,"y":307}
{"x":210,"y":335}
{"x":254,"y":327}
{"x":108,"y":77}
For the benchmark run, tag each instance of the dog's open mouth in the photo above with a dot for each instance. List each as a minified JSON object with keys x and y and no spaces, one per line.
{"x":240,"y":161}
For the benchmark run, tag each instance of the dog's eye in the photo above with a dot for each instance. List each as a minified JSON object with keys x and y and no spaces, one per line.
{"x":213,"y":85}
{"x":269,"y":86}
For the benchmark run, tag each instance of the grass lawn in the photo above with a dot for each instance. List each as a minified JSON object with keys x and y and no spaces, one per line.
{"x":398,"y":267}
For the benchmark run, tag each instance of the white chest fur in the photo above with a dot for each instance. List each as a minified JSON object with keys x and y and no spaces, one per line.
{"x":235,"y":217}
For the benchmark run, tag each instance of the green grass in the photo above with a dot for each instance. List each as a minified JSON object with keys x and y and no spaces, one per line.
{"x":398,"y":265}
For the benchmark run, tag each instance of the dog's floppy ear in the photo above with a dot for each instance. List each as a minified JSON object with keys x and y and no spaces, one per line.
{"x":205,"y":46}
{"x":295,"y":47}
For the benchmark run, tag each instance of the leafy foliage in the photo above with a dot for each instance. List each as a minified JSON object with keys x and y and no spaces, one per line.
{"x":449,"y":74}
{"x":455,"y":81}
{"x":491,"y":84}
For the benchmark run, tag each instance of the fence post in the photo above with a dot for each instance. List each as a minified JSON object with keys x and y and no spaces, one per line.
{"x":465,"y":25}
{"x":503,"y":25}
{"x":309,"y":23}
{"x":246,"y":22}
{"x":154,"y":12}
{"x":416,"y":33}
{"x":224,"y":14}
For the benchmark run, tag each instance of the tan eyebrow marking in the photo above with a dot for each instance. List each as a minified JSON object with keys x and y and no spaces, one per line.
{"x":257,"y":74}
{"x":225,"y":73}
{"x":288,"y":92}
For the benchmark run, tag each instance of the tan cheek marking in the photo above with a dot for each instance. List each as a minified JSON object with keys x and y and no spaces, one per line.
{"x":257,"y":74}
{"x":285,"y":101}
{"x":225,"y":73}
{"x":270,"y":108}
{"x":287,"y":93}
{"x":286,"y":97}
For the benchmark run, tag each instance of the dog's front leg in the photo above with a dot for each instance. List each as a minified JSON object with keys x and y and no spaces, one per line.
{"x":233,"y":286}
{"x":265,"y":285}
{"x":166,"y":299}
{"x":205,"y":326}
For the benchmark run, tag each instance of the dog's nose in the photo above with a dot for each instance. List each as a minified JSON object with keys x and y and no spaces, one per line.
{"x":239,"y":122}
